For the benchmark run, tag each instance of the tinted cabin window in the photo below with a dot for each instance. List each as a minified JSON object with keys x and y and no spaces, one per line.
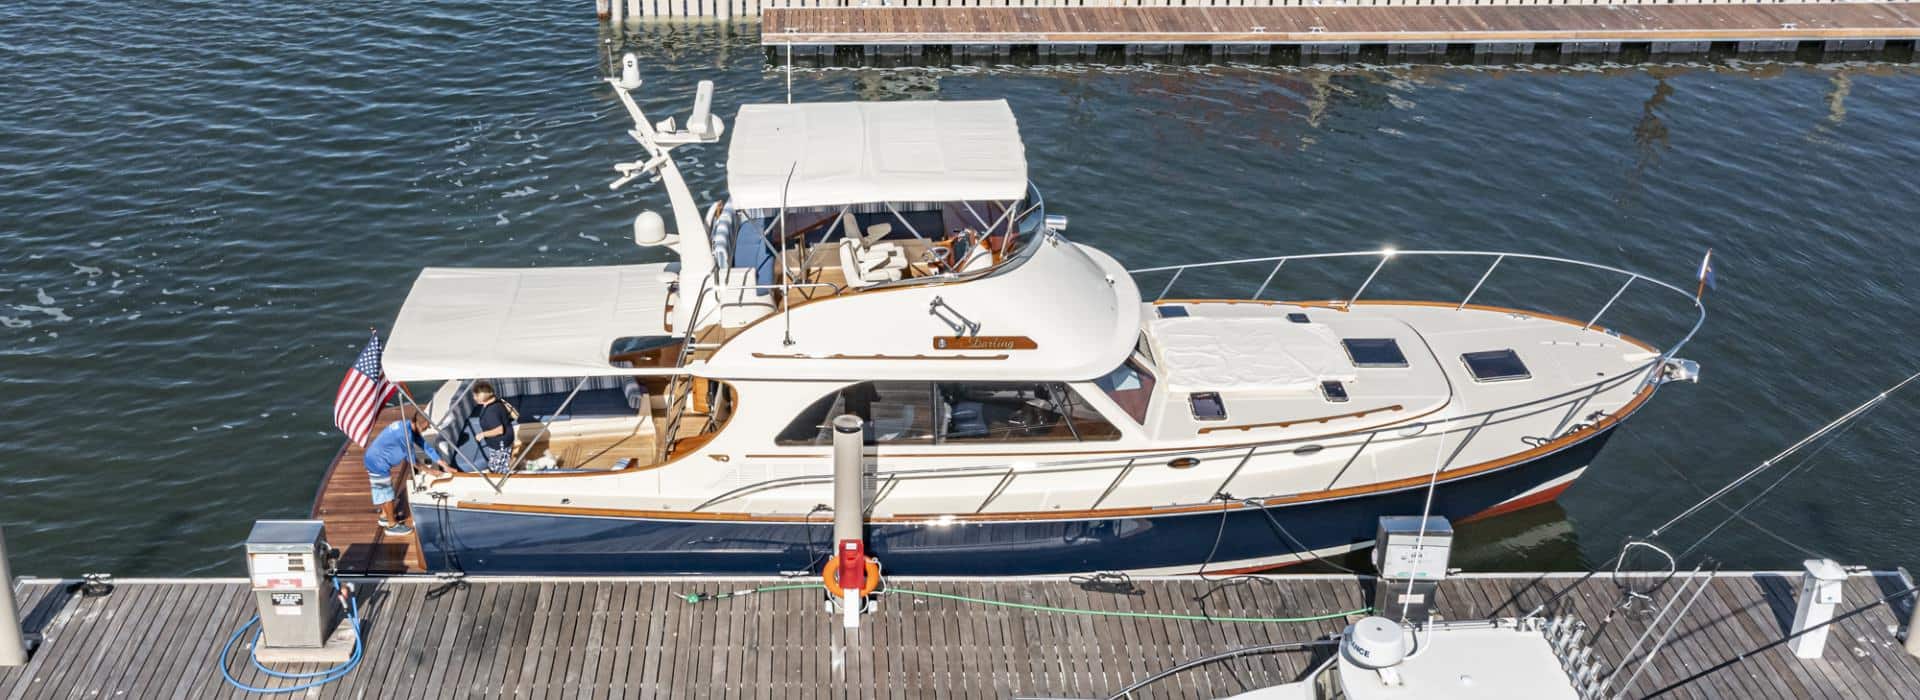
{"x":895,"y":413}
{"x":1017,"y":412}
{"x":912,"y":413}
{"x":1131,"y":386}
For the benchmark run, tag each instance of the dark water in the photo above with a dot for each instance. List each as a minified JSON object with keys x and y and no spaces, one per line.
{"x":203,"y":206}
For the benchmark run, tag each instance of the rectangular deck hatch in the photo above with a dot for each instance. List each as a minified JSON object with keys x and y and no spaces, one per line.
{"x":1172,"y":311}
{"x":1374,"y":352}
{"x":1207,"y":405}
{"x":1496,"y":366}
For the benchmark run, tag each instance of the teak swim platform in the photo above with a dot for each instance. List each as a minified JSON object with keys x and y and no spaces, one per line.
{"x":637,"y":637}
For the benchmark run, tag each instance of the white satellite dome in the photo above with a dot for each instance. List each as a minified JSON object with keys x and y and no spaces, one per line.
{"x":1375,"y":642}
{"x":649,"y":229}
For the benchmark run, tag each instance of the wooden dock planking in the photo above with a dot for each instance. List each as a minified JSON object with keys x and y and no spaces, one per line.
{"x":635,"y":638}
{"x":345,"y":503}
{"x":848,"y":26}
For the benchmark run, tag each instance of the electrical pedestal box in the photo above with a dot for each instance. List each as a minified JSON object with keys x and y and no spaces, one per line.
{"x":1412,"y":558}
{"x":287,"y":560}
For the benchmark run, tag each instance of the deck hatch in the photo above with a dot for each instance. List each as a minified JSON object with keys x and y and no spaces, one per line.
{"x":1496,"y":366}
{"x":1298,"y":317}
{"x":1172,"y":311}
{"x":1374,"y":352}
{"x":1207,"y":405}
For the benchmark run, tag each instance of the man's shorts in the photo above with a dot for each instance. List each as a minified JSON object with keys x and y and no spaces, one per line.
{"x":498,"y":458}
{"x":382,"y":489}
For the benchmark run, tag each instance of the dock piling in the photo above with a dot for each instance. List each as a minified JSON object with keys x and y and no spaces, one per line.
{"x":1912,"y":639}
{"x":13,"y":641}
{"x":849,"y":516}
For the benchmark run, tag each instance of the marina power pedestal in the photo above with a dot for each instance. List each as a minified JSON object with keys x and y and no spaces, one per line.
{"x":287,"y":563}
{"x":1412,"y":562}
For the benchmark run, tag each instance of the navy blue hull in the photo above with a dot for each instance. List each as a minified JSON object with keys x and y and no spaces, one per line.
{"x":490,"y":542}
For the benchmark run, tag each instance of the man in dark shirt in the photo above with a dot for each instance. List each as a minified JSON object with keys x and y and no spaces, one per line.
{"x":496,"y":427}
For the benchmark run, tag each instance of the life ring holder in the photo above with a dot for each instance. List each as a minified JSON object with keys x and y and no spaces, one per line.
{"x":831,"y":577}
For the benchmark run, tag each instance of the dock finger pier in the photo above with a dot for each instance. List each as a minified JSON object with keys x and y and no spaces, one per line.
{"x":1522,"y":29}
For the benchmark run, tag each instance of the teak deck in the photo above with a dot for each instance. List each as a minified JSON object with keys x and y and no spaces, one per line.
{"x":851,"y":26}
{"x":567,"y":638}
{"x":345,"y":503}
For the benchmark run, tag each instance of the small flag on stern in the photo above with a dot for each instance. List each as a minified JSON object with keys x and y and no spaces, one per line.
{"x":362,"y":392}
{"x":1706,"y":274}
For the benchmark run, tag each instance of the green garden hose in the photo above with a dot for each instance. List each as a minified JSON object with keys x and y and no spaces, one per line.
{"x":699,"y":597}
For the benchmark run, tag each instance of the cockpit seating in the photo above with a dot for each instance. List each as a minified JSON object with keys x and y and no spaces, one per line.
{"x":867,"y":260}
{"x":618,"y":401}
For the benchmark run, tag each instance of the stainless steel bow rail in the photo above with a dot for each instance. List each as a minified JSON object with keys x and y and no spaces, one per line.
{"x":1569,"y":404}
{"x":1385,"y":256}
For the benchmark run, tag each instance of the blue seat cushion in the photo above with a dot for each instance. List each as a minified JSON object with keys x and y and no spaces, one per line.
{"x":589,"y":403}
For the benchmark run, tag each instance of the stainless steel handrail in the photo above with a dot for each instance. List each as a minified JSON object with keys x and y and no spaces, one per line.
{"x":1576,"y":396}
{"x":1498,"y":257}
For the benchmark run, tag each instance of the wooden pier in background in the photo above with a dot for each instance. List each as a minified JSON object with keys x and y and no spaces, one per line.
{"x":1506,"y":28}
{"x":628,"y":637}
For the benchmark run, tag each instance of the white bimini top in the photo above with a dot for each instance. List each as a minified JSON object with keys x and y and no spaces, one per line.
{"x":533,"y":322}
{"x":857,"y":152}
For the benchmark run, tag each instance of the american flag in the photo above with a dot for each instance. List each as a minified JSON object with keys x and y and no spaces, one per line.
{"x":362,"y":392}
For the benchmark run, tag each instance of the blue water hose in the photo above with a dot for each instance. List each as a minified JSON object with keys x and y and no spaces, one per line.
{"x":314,"y":679}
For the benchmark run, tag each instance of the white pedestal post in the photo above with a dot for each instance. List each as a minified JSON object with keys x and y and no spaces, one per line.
{"x":849,"y":505}
{"x":13,"y":643}
{"x":1820,"y":591}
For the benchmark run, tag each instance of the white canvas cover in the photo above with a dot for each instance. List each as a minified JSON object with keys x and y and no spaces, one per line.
{"x":1248,"y":354}
{"x":856,"y":152}
{"x":465,"y":323}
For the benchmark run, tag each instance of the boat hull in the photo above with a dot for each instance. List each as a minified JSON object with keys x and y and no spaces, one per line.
{"x":501,"y":542}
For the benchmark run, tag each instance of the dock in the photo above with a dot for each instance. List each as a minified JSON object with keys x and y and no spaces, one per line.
{"x":1506,"y":28}
{"x":638,"y":637}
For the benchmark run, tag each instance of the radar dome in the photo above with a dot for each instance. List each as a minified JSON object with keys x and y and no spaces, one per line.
{"x":649,"y":229}
{"x":1375,"y":642}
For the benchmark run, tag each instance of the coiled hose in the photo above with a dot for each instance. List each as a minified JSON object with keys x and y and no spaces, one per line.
{"x":313,"y":679}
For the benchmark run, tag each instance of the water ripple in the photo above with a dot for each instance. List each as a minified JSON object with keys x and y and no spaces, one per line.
{"x":218,"y":201}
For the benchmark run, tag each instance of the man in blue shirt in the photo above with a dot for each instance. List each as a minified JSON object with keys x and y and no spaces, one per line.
{"x":399,"y":444}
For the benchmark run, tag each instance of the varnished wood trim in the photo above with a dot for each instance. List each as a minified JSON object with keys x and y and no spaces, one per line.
{"x":842,"y":356}
{"x":985,"y":342}
{"x":1543,"y":449}
{"x":1289,"y":423}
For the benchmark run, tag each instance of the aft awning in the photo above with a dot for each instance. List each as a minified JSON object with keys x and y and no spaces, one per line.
{"x":856,"y":152}
{"x":534,"y":322}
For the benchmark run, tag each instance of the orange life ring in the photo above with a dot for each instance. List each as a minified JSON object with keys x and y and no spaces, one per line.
{"x":831,"y":577}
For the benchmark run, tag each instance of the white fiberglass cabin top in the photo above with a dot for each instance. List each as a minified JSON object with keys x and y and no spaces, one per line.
{"x":1029,"y":408}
